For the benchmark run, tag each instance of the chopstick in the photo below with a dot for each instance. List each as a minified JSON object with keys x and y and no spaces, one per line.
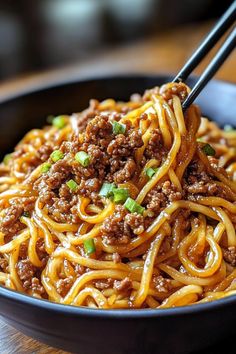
{"x":212,"y":68}
{"x":225,"y":22}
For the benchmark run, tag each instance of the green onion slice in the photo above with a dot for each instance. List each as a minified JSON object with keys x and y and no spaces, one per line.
{"x":59,"y":122}
{"x":26,"y":214}
{"x":208,"y":150}
{"x":56,"y":155}
{"x":107,"y":189}
{"x":133,"y":207}
{"x":72,"y":185}
{"x":120,"y":195}
{"x":7,"y":159}
{"x":83,"y":158}
{"x":89,"y":246}
{"x":151,"y":171}
{"x":118,"y":128}
{"x":45,"y":167}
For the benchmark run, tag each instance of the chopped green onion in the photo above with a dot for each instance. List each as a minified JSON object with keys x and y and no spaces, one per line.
{"x":72,"y":185}
{"x":83,"y":158}
{"x":7,"y":159}
{"x":228,"y":128}
{"x":133,"y":207}
{"x":26,"y":214}
{"x":107,"y":189}
{"x":45,"y":167}
{"x":208,"y":150}
{"x":56,"y":155}
{"x":200,"y":140}
{"x":151,"y":171}
{"x":59,"y":122}
{"x":118,"y":128}
{"x":89,"y":246}
{"x":120,"y":195}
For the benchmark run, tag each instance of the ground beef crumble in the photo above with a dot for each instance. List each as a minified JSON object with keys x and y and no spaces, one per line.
{"x":121,"y":226}
{"x":198,"y":182}
{"x":64,"y":285}
{"x":155,"y":148}
{"x":229,"y":255}
{"x":26,"y":272}
{"x":122,"y":285}
{"x":161,"y":284}
{"x":3,"y":264}
{"x":160,"y":196}
{"x":10,"y":224}
{"x":178,"y":89}
{"x":103,"y":284}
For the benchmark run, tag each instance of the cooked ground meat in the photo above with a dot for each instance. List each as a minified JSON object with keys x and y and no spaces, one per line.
{"x":180,"y":90}
{"x":122,"y":285}
{"x":229,"y":255}
{"x":64,"y":209}
{"x":198,"y":182}
{"x":64,"y":192}
{"x":11,"y":215}
{"x":37,"y":287}
{"x":99,"y":130}
{"x":209,"y":189}
{"x":59,"y":172}
{"x":161,"y":195}
{"x":103,"y":283}
{"x":136,"y":222}
{"x":125,"y":174}
{"x":28,"y":203}
{"x":114,"y":230}
{"x":44,"y":152}
{"x":161,"y":284}
{"x":10,"y":224}
{"x":79,"y":269}
{"x":3,"y":264}
{"x":155,"y":148}
{"x":41,"y":252}
{"x":26,"y":271}
{"x":90,"y":188}
{"x":121,"y":226}
{"x":64,"y":285}
{"x":125,"y":145}
{"x":23,"y":251}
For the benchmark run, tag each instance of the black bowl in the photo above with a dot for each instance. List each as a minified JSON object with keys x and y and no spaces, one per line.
{"x":90,"y":331}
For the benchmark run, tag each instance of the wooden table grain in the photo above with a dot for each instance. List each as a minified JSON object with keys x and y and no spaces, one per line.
{"x":164,"y":53}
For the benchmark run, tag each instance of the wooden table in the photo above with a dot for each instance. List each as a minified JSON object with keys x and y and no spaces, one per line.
{"x":161,"y":54}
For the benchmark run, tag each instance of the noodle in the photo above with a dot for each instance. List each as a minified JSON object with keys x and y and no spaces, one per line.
{"x":124,"y":205}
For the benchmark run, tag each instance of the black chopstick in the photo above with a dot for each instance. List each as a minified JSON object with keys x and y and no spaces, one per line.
{"x":212,"y":38}
{"x":214,"y":65}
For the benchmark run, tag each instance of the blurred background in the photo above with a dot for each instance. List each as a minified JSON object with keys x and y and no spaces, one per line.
{"x":44,"y":34}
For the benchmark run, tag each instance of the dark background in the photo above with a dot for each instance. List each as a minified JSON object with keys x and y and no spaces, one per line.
{"x":43,"y":34}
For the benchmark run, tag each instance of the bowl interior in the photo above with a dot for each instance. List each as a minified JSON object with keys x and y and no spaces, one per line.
{"x":23,"y":111}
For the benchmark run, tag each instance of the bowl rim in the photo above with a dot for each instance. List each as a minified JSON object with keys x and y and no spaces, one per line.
{"x":24,"y":299}
{"x":47,"y":84}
